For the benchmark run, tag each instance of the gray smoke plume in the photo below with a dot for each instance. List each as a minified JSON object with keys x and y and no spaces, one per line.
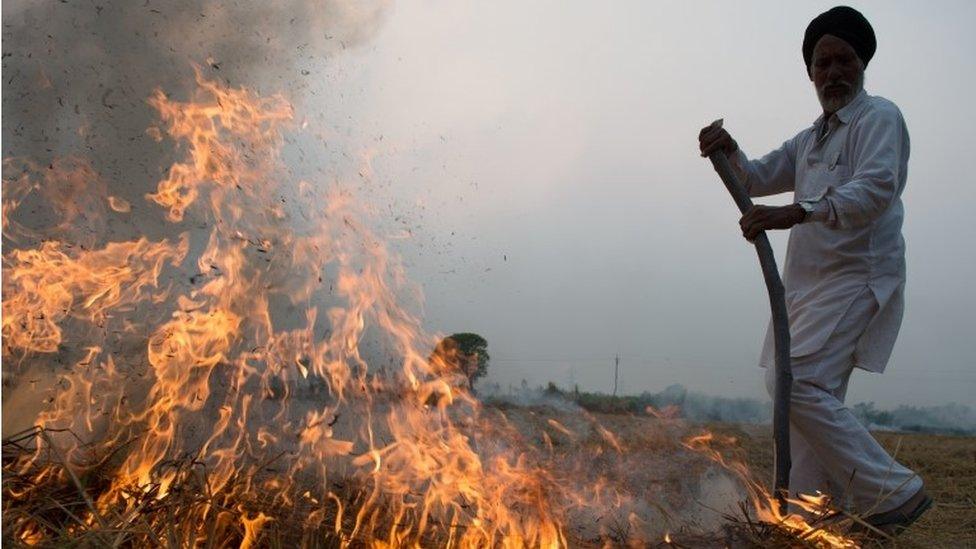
{"x":77,"y":74}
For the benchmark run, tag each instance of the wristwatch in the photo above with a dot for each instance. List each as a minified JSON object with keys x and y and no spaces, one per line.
{"x":807,"y":208}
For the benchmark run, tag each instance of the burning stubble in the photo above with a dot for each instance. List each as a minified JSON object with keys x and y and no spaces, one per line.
{"x":271,"y":418}
{"x":220,"y":371}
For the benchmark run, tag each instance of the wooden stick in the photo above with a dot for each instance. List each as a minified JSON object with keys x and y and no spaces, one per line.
{"x":781,"y":334}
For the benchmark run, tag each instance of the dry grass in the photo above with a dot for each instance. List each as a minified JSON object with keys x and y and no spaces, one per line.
{"x":947,"y":464}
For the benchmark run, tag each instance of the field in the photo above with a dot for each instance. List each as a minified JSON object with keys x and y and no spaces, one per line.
{"x":674,"y":490}
{"x":947,"y":464}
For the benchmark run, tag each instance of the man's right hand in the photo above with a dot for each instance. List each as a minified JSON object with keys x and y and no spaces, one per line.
{"x":714,"y":138}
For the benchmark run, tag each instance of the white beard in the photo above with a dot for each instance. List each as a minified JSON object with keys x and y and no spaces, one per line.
{"x":837,"y":102}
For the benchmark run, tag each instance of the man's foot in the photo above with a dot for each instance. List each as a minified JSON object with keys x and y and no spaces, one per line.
{"x":897,"y":520}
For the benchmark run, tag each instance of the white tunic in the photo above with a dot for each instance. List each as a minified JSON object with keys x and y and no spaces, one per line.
{"x":853,"y":166}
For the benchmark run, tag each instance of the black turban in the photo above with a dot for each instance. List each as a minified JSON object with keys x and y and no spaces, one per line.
{"x":845,"y":23}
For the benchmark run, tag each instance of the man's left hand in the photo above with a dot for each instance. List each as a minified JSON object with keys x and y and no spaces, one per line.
{"x":761,"y":218}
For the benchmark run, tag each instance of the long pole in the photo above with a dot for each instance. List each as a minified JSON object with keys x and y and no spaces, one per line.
{"x":781,"y":335}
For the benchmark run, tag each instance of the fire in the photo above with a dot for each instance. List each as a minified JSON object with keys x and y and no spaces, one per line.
{"x":671,"y":411}
{"x":766,"y":507}
{"x":252,"y":529}
{"x":46,"y":285}
{"x":263,"y":377}
{"x":219,"y":164}
{"x":211,"y":421}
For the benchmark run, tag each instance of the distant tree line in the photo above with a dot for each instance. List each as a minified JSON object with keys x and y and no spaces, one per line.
{"x":677,"y":401}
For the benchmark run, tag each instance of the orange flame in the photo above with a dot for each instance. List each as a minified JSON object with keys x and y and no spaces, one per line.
{"x":225,"y":360}
{"x":285,"y":379}
{"x":764,"y":504}
{"x":44,"y":286}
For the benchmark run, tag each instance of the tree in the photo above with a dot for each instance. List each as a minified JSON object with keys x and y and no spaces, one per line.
{"x":467,"y":352}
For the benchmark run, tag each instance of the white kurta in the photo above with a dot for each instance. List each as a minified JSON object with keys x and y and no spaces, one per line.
{"x":853,"y":166}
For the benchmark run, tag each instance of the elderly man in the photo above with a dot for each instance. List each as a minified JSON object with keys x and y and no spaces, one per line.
{"x":845,"y":268}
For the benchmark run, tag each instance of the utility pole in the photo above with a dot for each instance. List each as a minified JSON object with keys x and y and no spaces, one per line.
{"x":616,"y":370}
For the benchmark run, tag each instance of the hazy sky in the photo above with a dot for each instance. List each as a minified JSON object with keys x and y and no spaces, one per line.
{"x":547,"y":152}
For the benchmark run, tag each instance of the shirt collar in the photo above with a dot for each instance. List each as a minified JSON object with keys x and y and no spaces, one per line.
{"x":845,"y":114}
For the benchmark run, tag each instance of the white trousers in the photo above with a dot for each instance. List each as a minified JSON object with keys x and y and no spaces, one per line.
{"x":831,"y":451}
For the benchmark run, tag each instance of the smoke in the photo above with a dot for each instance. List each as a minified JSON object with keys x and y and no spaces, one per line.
{"x":635,"y":480}
{"x":950,"y":419}
{"x":77,"y":75}
{"x":526,"y":397}
{"x":676,"y":401}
